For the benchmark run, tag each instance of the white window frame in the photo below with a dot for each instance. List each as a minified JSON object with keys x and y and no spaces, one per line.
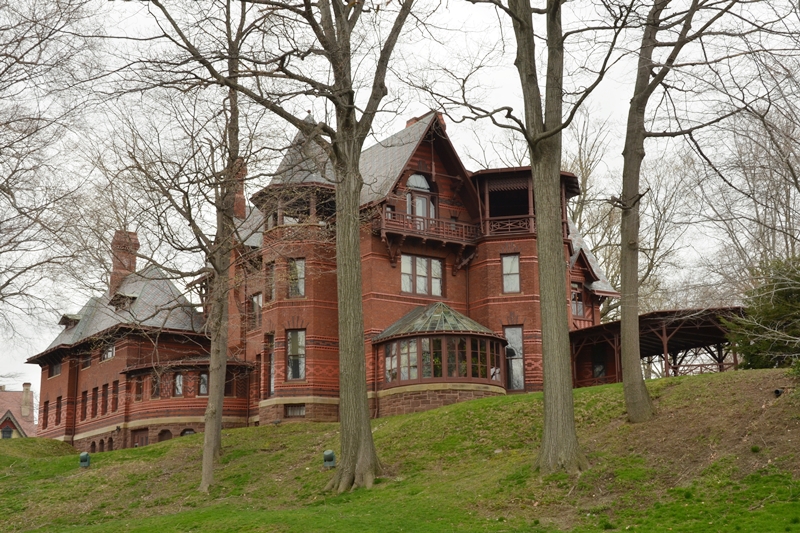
{"x":510,"y":270}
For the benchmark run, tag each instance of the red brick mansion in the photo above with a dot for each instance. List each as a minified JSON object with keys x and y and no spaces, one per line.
{"x":450,"y":295}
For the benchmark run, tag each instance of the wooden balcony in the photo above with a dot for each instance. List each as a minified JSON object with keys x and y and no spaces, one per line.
{"x":445,"y":231}
{"x":509,"y":225}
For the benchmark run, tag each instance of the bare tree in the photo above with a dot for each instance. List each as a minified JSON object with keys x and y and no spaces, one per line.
{"x":42,"y":63}
{"x":340,"y":53}
{"x":686,"y":51}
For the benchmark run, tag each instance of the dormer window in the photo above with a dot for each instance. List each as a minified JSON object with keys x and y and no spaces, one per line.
{"x":419,"y":200}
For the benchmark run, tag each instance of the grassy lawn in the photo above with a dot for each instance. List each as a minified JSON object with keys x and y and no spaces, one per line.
{"x":719,"y":456}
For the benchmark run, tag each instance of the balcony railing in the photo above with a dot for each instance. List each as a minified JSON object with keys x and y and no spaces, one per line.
{"x":509,"y":225}
{"x":452,"y":231}
{"x":429,"y":228}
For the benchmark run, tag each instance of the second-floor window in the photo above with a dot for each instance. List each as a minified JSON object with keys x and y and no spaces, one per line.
{"x":419,"y":201}
{"x":510,"y":273}
{"x":269,"y":274}
{"x":177,"y":385}
{"x":421,"y":275}
{"x":202,"y":389}
{"x":297,"y":278}
{"x":108,"y":353}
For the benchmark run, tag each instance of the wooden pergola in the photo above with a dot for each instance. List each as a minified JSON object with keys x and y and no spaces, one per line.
{"x":683,"y":341}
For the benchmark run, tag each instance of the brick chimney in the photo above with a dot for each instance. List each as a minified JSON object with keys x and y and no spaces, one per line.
{"x":239,"y":203}
{"x":124,"y":246}
{"x":26,"y":408}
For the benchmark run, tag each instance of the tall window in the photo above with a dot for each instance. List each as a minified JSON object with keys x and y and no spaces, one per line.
{"x":138,"y":389}
{"x":84,"y":404}
{"x":254,"y":304}
{"x":104,"y":402}
{"x":420,"y":204}
{"x":510,"y":272}
{"x":296,"y":354}
{"x":177,"y":384}
{"x":269,"y":273}
{"x":108,"y":353}
{"x":94,"y":401}
{"x":45,"y":414}
{"x":230,"y":383}
{"x":202,"y":388}
{"x":514,"y":358}
{"x":578,"y":309}
{"x":114,"y":396}
{"x":86,"y":360}
{"x":297,"y":278}
{"x":155,"y":387}
{"x":421,"y":275}
{"x":58,"y":410}
{"x":55,"y":369}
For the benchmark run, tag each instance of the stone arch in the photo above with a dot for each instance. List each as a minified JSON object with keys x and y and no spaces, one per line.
{"x":164,"y":434}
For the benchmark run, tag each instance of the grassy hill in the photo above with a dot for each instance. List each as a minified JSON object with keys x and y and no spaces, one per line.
{"x":722,"y":455}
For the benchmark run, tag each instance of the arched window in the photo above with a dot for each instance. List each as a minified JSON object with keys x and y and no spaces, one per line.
{"x":93,"y":447}
{"x":102,"y":445}
{"x":110,"y":444}
{"x":419,"y":200}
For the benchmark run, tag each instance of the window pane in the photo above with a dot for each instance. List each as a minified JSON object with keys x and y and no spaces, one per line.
{"x":390,"y":352}
{"x":474,"y":357}
{"x":437,"y":358}
{"x":403,"y":360}
{"x":426,"y":358}
{"x":510,"y":273}
{"x":406,"y":274}
{"x":412,"y":359}
{"x":178,"y":386}
{"x":296,"y":354}
{"x":452,"y":368}
{"x":203,"y":389}
{"x":436,"y":277}
{"x":422,"y":275}
{"x":297,"y":278}
{"x":462,"y":357}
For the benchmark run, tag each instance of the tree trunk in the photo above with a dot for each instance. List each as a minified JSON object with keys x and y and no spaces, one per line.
{"x":559,"y":449}
{"x":637,"y":399}
{"x":359,"y":464}
{"x":218,"y":328}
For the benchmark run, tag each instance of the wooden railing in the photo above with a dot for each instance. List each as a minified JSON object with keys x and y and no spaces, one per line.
{"x":509,"y":225}
{"x":431,"y":228}
{"x":702,"y":368}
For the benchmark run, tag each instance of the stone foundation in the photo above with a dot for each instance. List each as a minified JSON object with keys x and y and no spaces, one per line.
{"x":414,"y":399}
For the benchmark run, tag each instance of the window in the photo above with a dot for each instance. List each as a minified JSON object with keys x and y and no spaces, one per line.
{"x":296,"y":354}
{"x":108,"y":353}
{"x":7,"y":431}
{"x":104,"y":402}
{"x":269,"y":274}
{"x":421,"y":275}
{"x":45,"y":414}
{"x":295,"y":410}
{"x":138,"y":389}
{"x":510,"y":272}
{"x":202,"y":389}
{"x":58,"y":410}
{"x":177,"y":385}
{"x":578,"y":309}
{"x":86,"y":360}
{"x":55,"y":369}
{"x":155,"y":387}
{"x":94,"y":401}
{"x":254,"y":304}
{"x":419,"y":204}
{"x":230,"y":383}
{"x":421,"y":358}
{"x":514,"y":358}
{"x":297,"y":278}
{"x":114,"y":396}
{"x":84,"y":404}
{"x":598,"y":362}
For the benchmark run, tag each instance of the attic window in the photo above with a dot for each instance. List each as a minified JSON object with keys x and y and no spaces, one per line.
{"x":418,"y":181}
{"x":108,"y":353}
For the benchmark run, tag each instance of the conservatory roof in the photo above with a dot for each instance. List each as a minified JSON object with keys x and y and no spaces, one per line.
{"x":435,"y":318}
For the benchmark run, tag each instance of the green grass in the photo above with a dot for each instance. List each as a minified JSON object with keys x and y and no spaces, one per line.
{"x":466,"y":467}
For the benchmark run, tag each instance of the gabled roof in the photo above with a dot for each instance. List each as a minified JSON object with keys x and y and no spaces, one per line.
{"x":382,"y":163}
{"x":435,"y":318}
{"x":601,"y":285}
{"x":158,"y":304}
{"x":11,"y":409}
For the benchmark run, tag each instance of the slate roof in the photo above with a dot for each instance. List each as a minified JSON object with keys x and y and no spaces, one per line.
{"x":305,"y":162}
{"x":435,"y":318}
{"x":382,"y":163}
{"x":601,"y":286}
{"x":157,"y":303}
{"x":11,"y":408}
{"x":252,"y":227}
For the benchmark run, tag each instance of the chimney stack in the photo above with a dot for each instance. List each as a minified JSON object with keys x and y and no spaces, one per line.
{"x":123,"y":258}
{"x":26,"y":409}
{"x":239,"y":203}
